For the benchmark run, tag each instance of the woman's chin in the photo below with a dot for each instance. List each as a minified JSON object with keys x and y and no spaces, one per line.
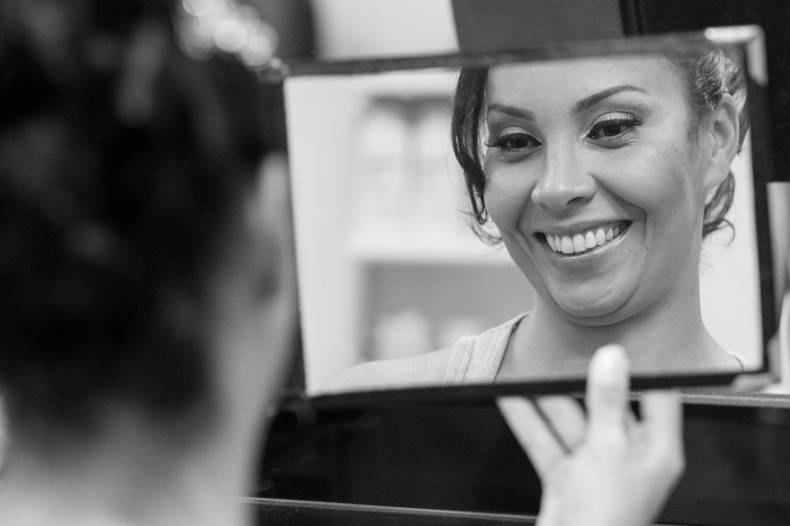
{"x":595,"y":310}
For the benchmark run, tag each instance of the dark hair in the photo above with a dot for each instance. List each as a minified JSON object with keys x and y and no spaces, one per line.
{"x":708,"y":76}
{"x":122,"y":167}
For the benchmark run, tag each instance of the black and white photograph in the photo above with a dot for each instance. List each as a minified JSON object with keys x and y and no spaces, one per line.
{"x":394,"y":262}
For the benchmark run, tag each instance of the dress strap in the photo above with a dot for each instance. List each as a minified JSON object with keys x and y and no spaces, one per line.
{"x":477,"y":359}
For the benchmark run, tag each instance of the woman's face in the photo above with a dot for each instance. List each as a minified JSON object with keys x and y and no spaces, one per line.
{"x":594,"y":179}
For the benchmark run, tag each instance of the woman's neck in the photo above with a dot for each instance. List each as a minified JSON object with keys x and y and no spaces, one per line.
{"x":669,"y":338}
{"x":129,"y":477}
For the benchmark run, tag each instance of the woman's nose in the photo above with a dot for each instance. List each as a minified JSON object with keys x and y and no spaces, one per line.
{"x":564,"y":182}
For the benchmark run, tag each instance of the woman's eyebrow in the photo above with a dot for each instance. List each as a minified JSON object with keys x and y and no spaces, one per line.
{"x":588,"y":102}
{"x":581,"y":106}
{"x":514,"y":111}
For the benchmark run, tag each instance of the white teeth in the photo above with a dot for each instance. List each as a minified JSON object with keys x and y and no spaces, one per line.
{"x":579,"y":243}
{"x":589,"y":239}
{"x":600,"y":237}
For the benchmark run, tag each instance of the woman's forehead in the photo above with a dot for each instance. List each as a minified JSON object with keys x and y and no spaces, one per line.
{"x":568,"y":81}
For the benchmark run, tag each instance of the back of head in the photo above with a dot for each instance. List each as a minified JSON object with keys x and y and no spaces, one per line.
{"x":122,"y":164}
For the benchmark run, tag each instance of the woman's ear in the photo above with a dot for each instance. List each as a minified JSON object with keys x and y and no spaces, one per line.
{"x":724,"y":135}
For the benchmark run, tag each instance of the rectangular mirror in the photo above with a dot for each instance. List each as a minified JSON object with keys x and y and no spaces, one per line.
{"x":611,"y":191}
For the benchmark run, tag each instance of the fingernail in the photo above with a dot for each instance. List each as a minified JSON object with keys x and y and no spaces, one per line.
{"x":609,"y":360}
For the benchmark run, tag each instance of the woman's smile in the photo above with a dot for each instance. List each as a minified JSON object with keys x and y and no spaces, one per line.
{"x":576,"y":241}
{"x":594,"y":260}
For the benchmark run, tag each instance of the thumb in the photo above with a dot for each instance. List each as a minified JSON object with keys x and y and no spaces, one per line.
{"x":607,"y":392}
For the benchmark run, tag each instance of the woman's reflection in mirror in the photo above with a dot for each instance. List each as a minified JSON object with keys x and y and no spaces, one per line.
{"x":601,"y":176}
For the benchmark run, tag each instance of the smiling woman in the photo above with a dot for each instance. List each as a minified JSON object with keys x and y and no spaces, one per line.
{"x":597,"y":177}
{"x":601,"y":176}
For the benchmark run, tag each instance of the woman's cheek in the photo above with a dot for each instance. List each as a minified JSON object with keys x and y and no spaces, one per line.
{"x":506,"y":196}
{"x":654,"y":178}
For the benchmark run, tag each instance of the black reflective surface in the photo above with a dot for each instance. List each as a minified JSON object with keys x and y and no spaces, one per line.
{"x":464,"y":459}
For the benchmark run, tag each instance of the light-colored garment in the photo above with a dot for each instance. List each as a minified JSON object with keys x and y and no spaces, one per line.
{"x":477,"y":359}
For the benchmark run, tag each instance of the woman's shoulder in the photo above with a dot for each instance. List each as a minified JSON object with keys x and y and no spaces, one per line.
{"x":469,"y":358}
{"x":419,"y":370}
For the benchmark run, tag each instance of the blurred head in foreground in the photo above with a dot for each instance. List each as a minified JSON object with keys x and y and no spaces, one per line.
{"x":142,"y":308}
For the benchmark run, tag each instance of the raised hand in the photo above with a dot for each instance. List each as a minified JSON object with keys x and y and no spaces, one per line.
{"x":605,"y":467}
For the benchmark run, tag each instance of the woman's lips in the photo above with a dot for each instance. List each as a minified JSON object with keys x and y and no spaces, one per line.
{"x":573,"y":244}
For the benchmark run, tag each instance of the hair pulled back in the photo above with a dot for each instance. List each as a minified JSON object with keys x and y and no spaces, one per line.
{"x":708,"y":76}
{"x":122,"y":163}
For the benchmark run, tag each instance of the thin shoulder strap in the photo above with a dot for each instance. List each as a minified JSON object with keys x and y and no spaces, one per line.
{"x":476,"y":359}
{"x":460,"y":357}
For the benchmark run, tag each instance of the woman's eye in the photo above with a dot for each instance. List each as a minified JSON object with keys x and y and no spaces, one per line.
{"x":613,"y":126}
{"x":514,"y":142}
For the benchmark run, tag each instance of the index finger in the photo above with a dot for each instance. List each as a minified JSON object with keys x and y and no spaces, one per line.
{"x":531,"y":432}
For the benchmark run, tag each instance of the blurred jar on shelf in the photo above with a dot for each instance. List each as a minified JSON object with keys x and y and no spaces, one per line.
{"x":380,"y":153}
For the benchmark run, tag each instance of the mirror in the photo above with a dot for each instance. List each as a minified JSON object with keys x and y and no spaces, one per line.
{"x":595,"y":170}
